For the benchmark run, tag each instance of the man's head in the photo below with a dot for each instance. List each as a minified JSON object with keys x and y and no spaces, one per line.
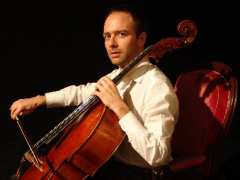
{"x":124,"y":35}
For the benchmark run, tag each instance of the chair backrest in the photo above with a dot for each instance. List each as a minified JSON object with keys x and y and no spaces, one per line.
{"x":207,"y":101}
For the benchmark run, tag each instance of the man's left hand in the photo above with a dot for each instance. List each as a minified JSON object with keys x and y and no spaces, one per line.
{"x":107,"y":91}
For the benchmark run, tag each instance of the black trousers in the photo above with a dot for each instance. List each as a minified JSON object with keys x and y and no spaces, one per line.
{"x":114,"y":170}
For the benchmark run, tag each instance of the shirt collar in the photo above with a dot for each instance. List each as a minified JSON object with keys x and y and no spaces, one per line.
{"x":137,"y":72}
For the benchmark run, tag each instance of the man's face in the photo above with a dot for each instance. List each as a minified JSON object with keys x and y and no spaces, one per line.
{"x":120,"y":38}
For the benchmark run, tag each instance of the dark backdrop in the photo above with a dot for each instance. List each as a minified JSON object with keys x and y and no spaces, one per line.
{"x":45,"y":47}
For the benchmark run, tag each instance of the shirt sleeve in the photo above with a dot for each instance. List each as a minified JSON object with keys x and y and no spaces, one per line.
{"x":151,"y":137}
{"x":72,"y":95}
{"x":69,"y":96}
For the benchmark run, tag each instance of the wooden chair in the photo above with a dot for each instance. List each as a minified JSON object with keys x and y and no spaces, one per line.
{"x":207,"y":99}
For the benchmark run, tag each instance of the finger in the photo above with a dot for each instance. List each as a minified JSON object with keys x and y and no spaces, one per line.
{"x":28,"y":157}
{"x":103,"y":87}
{"x":11,"y":107}
{"x":13,"y":114}
{"x":14,"y":109}
{"x":14,"y":104}
{"x":99,"y":87}
{"x":104,"y":80}
{"x":106,"y":87}
{"x":38,"y":166}
{"x":18,"y":112}
{"x":107,"y":81}
{"x":98,"y":94}
{"x":99,"y":81}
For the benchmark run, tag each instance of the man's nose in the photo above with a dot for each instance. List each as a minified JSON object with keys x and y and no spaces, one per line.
{"x":113,"y":42}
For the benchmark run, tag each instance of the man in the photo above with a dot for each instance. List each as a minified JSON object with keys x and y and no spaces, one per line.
{"x":144,"y":101}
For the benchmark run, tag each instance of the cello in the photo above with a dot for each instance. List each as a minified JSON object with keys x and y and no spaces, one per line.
{"x":91,"y":133}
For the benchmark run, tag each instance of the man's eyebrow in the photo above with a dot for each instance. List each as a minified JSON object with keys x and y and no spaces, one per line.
{"x":105,"y":33}
{"x":118,"y":31}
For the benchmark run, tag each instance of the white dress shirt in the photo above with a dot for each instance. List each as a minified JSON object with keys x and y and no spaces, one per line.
{"x":150,"y":123}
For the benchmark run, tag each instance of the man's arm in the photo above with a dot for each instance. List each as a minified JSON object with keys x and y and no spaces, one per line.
{"x":68,"y":96}
{"x":150,"y":130}
{"x":150,"y":138}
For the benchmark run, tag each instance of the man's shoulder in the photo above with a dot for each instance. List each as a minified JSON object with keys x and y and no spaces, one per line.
{"x":156,"y":74}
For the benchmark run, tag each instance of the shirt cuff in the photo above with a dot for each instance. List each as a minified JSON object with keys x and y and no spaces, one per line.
{"x":130,"y":124}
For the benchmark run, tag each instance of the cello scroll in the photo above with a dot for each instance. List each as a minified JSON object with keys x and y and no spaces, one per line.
{"x":186,"y":28}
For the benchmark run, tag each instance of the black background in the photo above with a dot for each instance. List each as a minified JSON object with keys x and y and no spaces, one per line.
{"x":45,"y":47}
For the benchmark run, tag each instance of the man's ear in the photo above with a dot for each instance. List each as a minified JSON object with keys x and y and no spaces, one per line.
{"x":142,"y":39}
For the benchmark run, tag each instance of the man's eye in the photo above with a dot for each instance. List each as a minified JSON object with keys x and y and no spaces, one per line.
{"x":106,"y":37}
{"x":122,"y":34}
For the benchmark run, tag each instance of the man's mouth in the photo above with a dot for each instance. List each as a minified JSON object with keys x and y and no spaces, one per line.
{"x":115,"y":54}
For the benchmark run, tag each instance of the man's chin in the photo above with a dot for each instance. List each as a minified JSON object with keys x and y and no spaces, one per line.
{"x":115,"y":61}
{"x":118,"y":62}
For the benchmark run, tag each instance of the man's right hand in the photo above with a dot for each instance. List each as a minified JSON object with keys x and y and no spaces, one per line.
{"x":39,"y":164}
{"x":26,"y":106}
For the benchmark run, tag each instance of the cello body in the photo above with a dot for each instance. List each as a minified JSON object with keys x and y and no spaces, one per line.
{"x":84,"y":149}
